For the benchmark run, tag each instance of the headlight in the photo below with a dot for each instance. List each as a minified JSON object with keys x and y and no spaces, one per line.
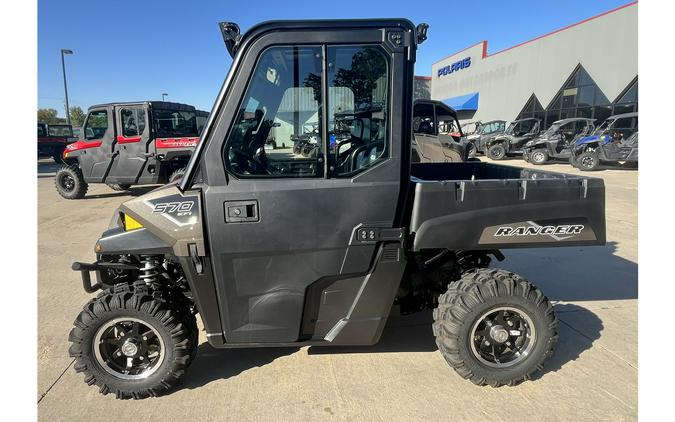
{"x":130,"y":223}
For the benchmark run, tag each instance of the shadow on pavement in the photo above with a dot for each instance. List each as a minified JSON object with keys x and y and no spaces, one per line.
{"x":214,"y":364}
{"x":572,"y":341}
{"x":576,"y":274}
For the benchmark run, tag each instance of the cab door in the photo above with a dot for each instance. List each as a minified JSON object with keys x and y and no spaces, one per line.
{"x":130,"y":149}
{"x":97,"y":144}
{"x":278,"y":222}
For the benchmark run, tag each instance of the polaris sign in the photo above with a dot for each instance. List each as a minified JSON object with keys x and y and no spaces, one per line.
{"x":462,"y":64}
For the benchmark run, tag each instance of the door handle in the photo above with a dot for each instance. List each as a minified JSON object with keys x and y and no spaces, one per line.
{"x":241,"y":211}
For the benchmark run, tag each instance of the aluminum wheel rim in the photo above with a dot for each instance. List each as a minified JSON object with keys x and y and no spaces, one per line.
{"x":497,"y":352}
{"x":498,"y":152}
{"x":587,"y":162}
{"x":67,"y":182}
{"x":537,"y":157}
{"x":129,"y":348}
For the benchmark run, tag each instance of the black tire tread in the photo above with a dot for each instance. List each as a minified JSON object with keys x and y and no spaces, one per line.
{"x":178,"y":173}
{"x":120,"y":187}
{"x":82,"y":186}
{"x":168,"y":307}
{"x":471,"y":289}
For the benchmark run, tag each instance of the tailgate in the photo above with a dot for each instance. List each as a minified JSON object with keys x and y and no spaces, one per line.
{"x":489,"y":206}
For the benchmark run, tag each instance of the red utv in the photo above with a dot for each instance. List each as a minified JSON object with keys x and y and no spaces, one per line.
{"x":124,"y":144}
{"x":52,"y":140}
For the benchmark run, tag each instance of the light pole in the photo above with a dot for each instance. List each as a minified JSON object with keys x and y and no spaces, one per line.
{"x":164,"y":96}
{"x":65,"y":85}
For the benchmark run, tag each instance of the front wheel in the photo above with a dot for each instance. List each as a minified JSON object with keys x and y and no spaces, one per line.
{"x":494,"y":327}
{"x":538,"y":156}
{"x":496,"y":152}
{"x":588,"y":161}
{"x":70,"y":182}
{"x":134,"y":341}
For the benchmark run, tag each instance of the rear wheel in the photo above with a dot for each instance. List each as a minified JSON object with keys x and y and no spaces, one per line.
{"x":70,"y":182}
{"x":494,"y":327}
{"x":134,"y":341}
{"x":588,"y":161}
{"x":538,"y":156}
{"x":496,"y":152}
{"x":118,"y":187}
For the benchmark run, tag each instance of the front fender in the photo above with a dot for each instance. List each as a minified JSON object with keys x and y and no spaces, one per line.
{"x":142,"y":241}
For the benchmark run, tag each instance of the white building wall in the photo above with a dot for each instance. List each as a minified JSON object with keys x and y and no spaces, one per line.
{"x":606,"y":46}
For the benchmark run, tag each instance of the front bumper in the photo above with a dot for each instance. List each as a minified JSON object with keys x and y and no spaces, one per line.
{"x":85,"y":270}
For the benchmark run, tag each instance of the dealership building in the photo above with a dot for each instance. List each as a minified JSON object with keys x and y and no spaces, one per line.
{"x":588,"y":69}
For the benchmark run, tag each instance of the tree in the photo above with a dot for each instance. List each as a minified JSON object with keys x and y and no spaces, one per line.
{"x":77,"y":116}
{"x":48,"y":115}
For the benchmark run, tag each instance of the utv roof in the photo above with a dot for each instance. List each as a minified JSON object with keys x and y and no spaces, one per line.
{"x":572,"y":119}
{"x":155,"y":104}
{"x":523,"y":120}
{"x":234,"y":40}
{"x":448,"y":110}
{"x":623,"y":116}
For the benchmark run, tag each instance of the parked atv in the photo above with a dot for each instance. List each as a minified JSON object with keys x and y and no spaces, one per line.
{"x":557,"y":142}
{"x":615,"y":141}
{"x":125,"y":144}
{"x":429,"y":144}
{"x":511,"y":142}
{"x":485,"y":132}
{"x":52,"y":140}
{"x":280,"y":250}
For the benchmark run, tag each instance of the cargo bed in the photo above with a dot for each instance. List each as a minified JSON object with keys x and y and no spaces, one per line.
{"x":473,"y":205}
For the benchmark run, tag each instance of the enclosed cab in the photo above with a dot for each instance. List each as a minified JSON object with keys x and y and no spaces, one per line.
{"x":437,"y":134}
{"x":52,"y":140}
{"x":273,"y":248}
{"x":125,"y":144}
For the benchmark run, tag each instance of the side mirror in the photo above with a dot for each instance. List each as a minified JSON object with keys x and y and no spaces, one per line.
{"x":231,"y":36}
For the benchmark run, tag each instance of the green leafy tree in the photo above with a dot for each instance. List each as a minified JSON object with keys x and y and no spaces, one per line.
{"x":48,"y":115}
{"x":77,"y":116}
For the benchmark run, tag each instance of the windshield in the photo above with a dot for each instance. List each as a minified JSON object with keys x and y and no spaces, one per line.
{"x":552,"y":130}
{"x":603,"y":127}
{"x":175,"y":123}
{"x":60,"y":130}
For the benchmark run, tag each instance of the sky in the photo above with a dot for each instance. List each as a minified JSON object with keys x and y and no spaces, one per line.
{"x":137,"y":50}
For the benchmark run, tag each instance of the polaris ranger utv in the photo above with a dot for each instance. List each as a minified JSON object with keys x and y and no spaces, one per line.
{"x":52,"y":140}
{"x":285,"y":250}
{"x":124,"y":144}
{"x":557,"y":141}
{"x":511,"y":142}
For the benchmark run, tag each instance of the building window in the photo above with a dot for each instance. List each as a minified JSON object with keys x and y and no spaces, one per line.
{"x":578,"y":97}
{"x":533,"y":109}
{"x":627,"y":101}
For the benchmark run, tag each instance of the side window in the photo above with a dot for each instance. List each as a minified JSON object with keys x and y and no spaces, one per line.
{"x":423,"y":119}
{"x":357,"y":107}
{"x":97,"y":124}
{"x":133,"y":121}
{"x":276,"y":131}
{"x":41,"y":130}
